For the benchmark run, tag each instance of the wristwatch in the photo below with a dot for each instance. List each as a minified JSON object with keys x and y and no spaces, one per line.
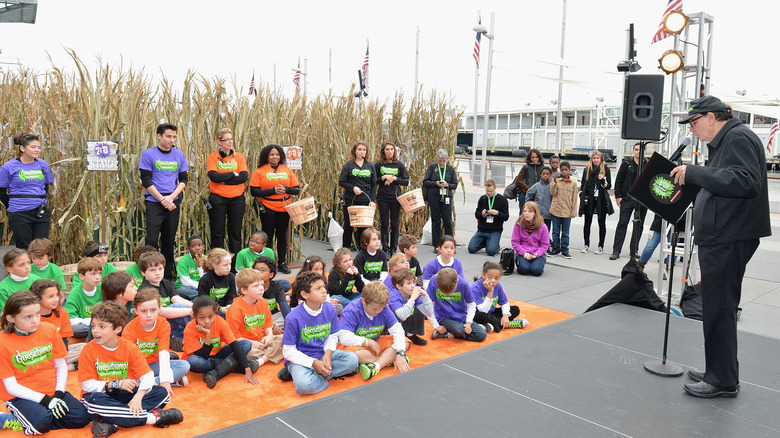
{"x":401,"y":353}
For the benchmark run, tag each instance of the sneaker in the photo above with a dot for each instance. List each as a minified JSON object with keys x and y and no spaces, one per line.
{"x":599,"y":250}
{"x":416,"y":340}
{"x":176,"y":344}
{"x":166,"y":417}
{"x":9,"y":422}
{"x":584,"y":250}
{"x":101,"y":429}
{"x":614,"y":256}
{"x":518,"y":323}
{"x":181,"y":383}
{"x":437,"y":335}
{"x":488,"y":327}
{"x":566,"y":255}
{"x":368,"y":370}
{"x":284,"y":374}
{"x":554,"y":252}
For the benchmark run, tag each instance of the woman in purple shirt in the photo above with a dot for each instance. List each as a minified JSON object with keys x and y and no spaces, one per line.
{"x":24,"y":184}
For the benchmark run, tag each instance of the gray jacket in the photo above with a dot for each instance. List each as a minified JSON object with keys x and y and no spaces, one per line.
{"x":540,"y":193}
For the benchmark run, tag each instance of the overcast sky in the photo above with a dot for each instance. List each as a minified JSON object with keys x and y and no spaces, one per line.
{"x":234,"y":38}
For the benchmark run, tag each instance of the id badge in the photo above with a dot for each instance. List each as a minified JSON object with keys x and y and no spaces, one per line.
{"x":447,"y":201}
{"x":442,"y":191}
{"x":489,"y":219}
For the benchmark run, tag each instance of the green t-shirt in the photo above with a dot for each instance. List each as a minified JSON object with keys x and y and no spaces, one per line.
{"x":246,"y":257}
{"x":135,"y":272}
{"x":8,"y":286}
{"x":187,"y":268}
{"x":50,"y":272}
{"x":79,"y":304}
{"x":107,"y":269}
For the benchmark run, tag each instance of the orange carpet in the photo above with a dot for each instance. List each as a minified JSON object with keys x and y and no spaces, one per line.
{"x":233,"y":401}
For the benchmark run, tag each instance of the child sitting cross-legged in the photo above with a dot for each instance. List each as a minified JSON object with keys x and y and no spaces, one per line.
{"x":310,"y":338}
{"x":493,"y":309}
{"x":84,"y":297}
{"x":454,"y":307}
{"x":257,"y":248}
{"x":189,"y":269}
{"x":219,"y":283}
{"x":411,"y":305}
{"x":273,"y":292}
{"x":98,"y":251}
{"x":176,"y":309}
{"x":362,"y":324}
{"x":116,"y":382}
{"x":211,"y":348}
{"x":41,"y":253}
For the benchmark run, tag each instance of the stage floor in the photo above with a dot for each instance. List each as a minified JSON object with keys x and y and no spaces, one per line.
{"x":583,"y":377}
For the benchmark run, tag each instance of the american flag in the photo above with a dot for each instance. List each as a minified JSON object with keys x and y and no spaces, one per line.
{"x":252,"y":85}
{"x":772,"y":131}
{"x":673,"y":5}
{"x":297,"y":78}
{"x":365,"y":68}
{"x":476,"y":44}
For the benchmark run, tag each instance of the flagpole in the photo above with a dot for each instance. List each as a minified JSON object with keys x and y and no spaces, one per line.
{"x":476,"y":110}
{"x":416,"y":66}
{"x":559,"y":114}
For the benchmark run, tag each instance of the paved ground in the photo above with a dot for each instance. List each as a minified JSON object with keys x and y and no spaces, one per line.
{"x":573,"y":285}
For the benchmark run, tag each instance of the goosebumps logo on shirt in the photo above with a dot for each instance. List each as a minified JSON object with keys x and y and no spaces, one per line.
{"x":271,"y":303}
{"x":31,"y":175}
{"x":388,"y":170}
{"x":454,"y":296}
{"x":166,"y":166}
{"x":218,"y":292}
{"x":372,"y":332}
{"x":361,"y":173}
{"x":372,"y":266}
{"x":276,"y":175}
{"x":252,"y":321}
{"x":214,"y":342}
{"x":31,"y":358}
{"x":230,"y":165}
{"x":165,"y":301}
{"x":148,"y":348}
{"x":313,"y":333}
{"x":111,"y":370}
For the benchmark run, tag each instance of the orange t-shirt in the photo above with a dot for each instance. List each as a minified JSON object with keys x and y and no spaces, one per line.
{"x":219,"y":336}
{"x":31,"y":359}
{"x":99,"y":363}
{"x":152,"y":342}
{"x":62,"y":322}
{"x":266,"y":178}
{"x":249,"y":320}
{"x":232,"y":163}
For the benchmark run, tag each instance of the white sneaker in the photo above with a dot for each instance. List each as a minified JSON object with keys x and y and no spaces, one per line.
{"x":584,"y":250}
{"x":181,"y":383}
{"x":488,"y":327}
{"x":599,"y":250}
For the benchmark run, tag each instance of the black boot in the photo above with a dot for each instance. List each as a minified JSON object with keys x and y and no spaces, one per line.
{"x":253,"y":366}
{"x":223,"y":369}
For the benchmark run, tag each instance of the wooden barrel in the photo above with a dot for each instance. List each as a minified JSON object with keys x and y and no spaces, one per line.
{"x":412,"y":201}
{"x":302,"y":211}
{"x":361,"y":216}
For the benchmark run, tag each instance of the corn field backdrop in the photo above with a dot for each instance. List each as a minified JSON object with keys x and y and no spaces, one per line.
{"x":111,"y":103}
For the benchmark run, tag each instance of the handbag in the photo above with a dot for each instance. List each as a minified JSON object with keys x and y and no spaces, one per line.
{"x":510,"y":192}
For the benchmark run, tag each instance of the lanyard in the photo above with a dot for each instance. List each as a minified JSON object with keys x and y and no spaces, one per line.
{"x":491,"y":201}
{"x":442,"y":173}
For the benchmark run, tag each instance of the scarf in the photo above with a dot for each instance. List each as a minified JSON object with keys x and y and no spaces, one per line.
{"x":528,"y":226}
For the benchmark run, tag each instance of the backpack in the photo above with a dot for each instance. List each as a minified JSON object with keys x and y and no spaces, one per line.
{"x":507,"y":261}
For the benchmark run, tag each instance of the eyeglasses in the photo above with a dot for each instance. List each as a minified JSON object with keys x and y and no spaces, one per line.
{"x":695,"y":119}
{"x":227,"y":140}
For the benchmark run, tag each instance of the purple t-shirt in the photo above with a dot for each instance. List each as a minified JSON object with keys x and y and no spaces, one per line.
{"x":354,"y":319}
{"x":451,"y":306}
{"x":25,"y":179}
{"x":165,"y":168}
{"x":479,"y":293}
{"x":433,"y":267}
{"x":309,"y":333}
{"x":397,"y":301}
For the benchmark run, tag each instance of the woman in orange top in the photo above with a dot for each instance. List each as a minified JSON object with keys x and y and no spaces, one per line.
{"x":273,"y":184}
{"x":227,"y":172}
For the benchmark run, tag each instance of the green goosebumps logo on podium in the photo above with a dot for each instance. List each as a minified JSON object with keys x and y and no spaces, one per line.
{"x":663,"y":189}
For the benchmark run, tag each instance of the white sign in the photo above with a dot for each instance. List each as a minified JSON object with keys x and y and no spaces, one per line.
{"x":102,"y":155}
{"x":294,"y":156}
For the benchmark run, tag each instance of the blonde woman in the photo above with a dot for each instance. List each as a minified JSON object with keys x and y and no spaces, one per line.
{"x":594,"y":198}
{"x":228,"y":173}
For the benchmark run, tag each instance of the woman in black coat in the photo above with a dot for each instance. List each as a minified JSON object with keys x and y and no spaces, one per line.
{"x":594,"y":198}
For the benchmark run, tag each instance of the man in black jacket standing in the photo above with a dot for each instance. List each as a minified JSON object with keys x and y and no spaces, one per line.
{"x":731,"y":213}
{"x":626,"y":177}
{"x":491,"y":213}
{"x":439,"y":184}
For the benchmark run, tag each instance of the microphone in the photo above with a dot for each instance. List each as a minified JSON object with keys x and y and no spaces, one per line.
{"x":678,"y":153}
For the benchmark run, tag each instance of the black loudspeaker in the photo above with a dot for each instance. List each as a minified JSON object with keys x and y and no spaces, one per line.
{"x":642,"y":105}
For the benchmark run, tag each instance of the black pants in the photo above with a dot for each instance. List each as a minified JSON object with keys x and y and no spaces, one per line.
{"x":161,"y":228}
{"x":626,"y":214}
{"x":27,"y":227}
{"x":441,"y":214}
{"x":275,"y":224}
{"x":722,"y":270}
{"x":602,"y":216}
{"x":414,"y":324}
{"x":231,"y":209}
{"x":494,"y":317}
{"x":346,"y":241}
{"x":389,"y":212}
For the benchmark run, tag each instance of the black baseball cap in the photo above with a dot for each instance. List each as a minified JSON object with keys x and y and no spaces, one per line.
{"x":703,"y":105}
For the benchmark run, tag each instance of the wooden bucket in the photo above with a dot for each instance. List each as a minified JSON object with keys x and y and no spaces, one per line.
{"x":302,"y":211}
{"x":412,"y":201}
{"x":361,"y":216}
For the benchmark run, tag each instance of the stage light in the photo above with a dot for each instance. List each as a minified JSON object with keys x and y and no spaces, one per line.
{"x":675,"y":22}
{"x":670,"y":61}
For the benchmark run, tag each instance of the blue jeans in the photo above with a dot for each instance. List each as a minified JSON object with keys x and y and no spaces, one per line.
{"x":488,"y":240}
{"x":201,"y":365}
{"x":561,"y":233}
{"x":178,"y":324}
{"x":180,"y":369}
{"x":533,"y":267}
{"x":458,"y":329}
{"x":187,"y":292}
{"x":80,"y":330}
{"x":344,"y":300}
{"x":307,"y":381}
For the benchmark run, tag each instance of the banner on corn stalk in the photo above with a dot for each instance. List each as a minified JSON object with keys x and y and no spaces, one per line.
{"x":294,"y":157}
{"x":102,"y":155}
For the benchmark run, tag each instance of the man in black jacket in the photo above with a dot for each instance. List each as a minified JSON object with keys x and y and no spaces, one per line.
{"x":626,"y":177}
{"x":730,"y":214}
{"x":491,"y":213}
{"x":439,"y":183}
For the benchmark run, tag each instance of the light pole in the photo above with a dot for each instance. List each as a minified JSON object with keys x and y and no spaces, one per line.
{"x":481,"y":29}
